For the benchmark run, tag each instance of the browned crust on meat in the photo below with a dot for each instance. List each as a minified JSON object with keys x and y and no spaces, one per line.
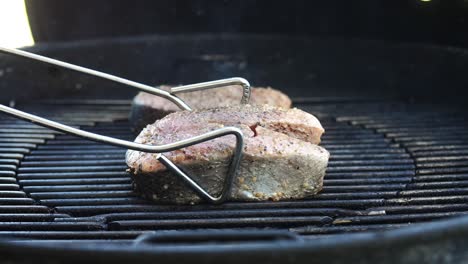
{"x":293,"y":122}
{"x":274,"y":167}
{"x":147,"y":108}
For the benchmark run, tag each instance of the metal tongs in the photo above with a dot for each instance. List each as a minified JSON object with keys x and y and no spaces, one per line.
{"x":201,"y":192}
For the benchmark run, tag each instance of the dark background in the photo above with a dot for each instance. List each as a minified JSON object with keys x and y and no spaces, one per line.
{"x":435,"y":21}
{"x":406,"y":50}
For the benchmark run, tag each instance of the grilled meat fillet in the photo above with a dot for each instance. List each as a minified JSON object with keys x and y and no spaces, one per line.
{"x":278,"y":162}
{"x":147,"y":108}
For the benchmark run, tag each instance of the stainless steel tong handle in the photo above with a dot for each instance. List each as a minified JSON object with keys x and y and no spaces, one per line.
{"x":237,"y":155}
{"x":153,"y":149}
{"x":143,"y":87}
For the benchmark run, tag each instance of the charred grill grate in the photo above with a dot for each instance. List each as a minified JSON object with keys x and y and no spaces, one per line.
{"x":392,"y":164}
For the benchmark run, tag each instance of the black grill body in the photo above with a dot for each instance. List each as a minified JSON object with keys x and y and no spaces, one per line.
{"x":395,"y":190}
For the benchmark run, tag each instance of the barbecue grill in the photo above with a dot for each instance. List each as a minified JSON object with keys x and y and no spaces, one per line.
{"x":395,"y":191}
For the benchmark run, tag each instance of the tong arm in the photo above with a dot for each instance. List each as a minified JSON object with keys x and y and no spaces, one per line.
{"x":144,"y":147}
{"x":143,"y":87}
{"x":153,"y":149}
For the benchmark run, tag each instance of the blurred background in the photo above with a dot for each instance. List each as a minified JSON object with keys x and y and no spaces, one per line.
{"x":377,"y":48}
{"x":434,"y":21}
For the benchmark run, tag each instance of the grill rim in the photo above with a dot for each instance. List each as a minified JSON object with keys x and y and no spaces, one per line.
{"x":176,"y":42}
{"x":369,"y":247}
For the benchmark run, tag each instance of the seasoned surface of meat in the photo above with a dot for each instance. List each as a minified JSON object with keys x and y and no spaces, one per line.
{"x":293,"y":122}
{"x":147,"y":108}
{"x":275,"y":165}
